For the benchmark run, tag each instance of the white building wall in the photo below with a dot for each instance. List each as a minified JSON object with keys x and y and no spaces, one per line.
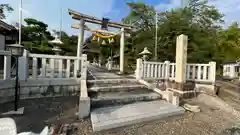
{"x":225,"y":73}
{"x":2,"y":42}
{"x":232,"y":71}
{"x":229,"y":71}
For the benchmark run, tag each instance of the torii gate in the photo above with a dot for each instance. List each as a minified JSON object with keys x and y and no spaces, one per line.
{"x":90,"y":19}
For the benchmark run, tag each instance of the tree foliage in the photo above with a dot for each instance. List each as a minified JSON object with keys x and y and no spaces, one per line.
{"x":202,"y":23}
{"x":198,"y":21}
{"x":3,"y":9}
{"x":35,"y":36}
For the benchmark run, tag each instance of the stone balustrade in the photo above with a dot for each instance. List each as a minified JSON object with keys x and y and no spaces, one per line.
{"x":43,"y":75}
{"x":167,"y":70}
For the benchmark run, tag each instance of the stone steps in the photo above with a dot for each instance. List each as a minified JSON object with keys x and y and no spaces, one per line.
{"x":118,"y":101}
{"x":112,"y":81}
{"x":123,"y":115}
{"x":116,"y":88}
{"x":119,"y":91}
{"x":235,"y":103}
{"x":120,"y":98}
{"x":230,"y":93}
{"x":228,"y":85}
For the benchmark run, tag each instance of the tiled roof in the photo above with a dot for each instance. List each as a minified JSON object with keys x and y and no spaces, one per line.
{"x":230,"y":62}
{"x":6,"y":26}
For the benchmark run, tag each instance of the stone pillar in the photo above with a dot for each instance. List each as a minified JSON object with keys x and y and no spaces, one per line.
{"x":84,"y":100}
{"x":212,"y":74}
{"x":23,"y":66}
{"x":99,"y":62}
{"x":109,"y":64}
{"x":80,"y":42}
{"x":139,"y":69}
{"x":7,"y":67}
{"x":84,"y":67}
{"x":181,"y":61}
{"x":122,"y":51}
{"x":167,"y":70}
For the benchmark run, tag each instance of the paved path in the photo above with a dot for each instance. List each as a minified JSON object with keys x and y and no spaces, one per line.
{"x":100,"y":73}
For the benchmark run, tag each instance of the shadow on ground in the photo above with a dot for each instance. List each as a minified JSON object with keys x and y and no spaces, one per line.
{"x":43,"y":111}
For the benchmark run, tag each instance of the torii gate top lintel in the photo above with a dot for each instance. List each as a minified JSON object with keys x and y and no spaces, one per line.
{"x":105,"y":23}
{"x":78,"y":16}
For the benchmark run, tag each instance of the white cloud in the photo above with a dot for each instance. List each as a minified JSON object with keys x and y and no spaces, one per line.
{"x":230,"y":8}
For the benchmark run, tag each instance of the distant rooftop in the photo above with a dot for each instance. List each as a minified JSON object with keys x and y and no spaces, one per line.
{"x":6,"y":27}
{"x":230,"y":62}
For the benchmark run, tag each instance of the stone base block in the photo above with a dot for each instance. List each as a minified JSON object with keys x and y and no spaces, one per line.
{"x":184,"y":87}
{"x":84,"y":107}
{"x":188,"y":86}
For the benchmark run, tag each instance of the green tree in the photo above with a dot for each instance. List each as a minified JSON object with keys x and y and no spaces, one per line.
{"x":3,"y":9}
{"x":36,"y":36}
{"x":70,"y":43}
{"x":198,"y":21}
{"x":141,"y":15}
{"x":229,"y":43}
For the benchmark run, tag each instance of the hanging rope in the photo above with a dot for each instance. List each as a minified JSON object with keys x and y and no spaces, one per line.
{"x":97,"y":33}
{"x":104,"y":37}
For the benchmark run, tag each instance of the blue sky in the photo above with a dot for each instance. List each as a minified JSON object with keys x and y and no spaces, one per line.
{"x":48,"y":11}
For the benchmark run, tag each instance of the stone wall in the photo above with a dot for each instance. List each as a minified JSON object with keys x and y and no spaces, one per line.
{"x":38,"y":90}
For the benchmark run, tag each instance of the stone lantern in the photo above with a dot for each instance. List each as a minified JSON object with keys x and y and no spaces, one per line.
{"x":57,"y":51}
{"x":16,"y":51}
{"x":145,"y":53}
{"x":55,"y":42}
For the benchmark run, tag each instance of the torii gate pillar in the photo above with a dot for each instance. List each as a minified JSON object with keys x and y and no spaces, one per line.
{"x":80,"y":41}
{"x":80,"y":38}
{"x":122,"y":51}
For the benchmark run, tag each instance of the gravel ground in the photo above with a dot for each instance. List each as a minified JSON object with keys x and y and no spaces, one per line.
{"x":40,"y":112}
{"x":43,"y":111}
{"x":210,"y":121}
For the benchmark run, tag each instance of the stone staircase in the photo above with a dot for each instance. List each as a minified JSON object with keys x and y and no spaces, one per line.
{"x":121,"y":102}
{"x":112,"y":92}
{"x":230,"y":93}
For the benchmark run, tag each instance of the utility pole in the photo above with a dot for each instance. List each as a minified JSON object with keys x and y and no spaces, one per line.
{"x":60,"y":34}
{"x":156,"y":36}
{"x":20,"y":23}
{"x":185,"y":3}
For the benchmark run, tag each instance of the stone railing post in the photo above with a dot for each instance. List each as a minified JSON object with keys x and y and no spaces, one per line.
{"x":99,"y":63}
{"x":167,"y":69}
{"x":109,"y":64}
{"x":7,"y":66}
{"x":212,"y":73}
{"x":139,"y":69}
{"x":23,"y":66}
{"x":84,"y":67}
